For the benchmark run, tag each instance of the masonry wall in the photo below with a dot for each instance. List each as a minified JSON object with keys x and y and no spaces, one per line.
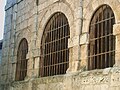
{"x":24,"y":19}
{"x":107,"y":79}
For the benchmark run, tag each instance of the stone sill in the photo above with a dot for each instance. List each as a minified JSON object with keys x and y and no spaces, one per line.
{"x":41,"y":80}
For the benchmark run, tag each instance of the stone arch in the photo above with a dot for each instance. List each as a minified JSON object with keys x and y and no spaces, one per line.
{"x":56,"y":7}
{"x":19,"y":36}
{"x":93,"y":5}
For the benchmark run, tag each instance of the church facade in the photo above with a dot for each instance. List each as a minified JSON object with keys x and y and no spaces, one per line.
{"x":61,"y":45}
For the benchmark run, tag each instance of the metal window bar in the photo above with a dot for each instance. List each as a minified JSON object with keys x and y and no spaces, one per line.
{"x":21,"y":65}
{"x":102,"y":41}
{"x":54,"y":58}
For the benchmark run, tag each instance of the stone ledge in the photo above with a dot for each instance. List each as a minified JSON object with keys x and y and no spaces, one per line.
{"x":101,"y":77}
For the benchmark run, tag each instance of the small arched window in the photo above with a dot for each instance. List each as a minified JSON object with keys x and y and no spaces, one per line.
{"x":102,"y":40}
{"x":21,"y":65}
{"x":54,"y":47}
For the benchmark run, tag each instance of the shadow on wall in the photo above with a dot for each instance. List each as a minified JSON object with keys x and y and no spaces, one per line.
{"x":1,"y":42}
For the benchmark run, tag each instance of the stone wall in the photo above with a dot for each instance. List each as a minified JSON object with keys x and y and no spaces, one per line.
{"x":107,"y":79}
{"x":24,"y":19}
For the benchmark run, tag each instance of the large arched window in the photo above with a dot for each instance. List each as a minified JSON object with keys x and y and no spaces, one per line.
{"x":21,"y":65}
{"x":102,"y":40}
{"x":54,"y":46}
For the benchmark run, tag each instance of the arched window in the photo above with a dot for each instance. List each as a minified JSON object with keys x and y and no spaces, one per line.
{"x":21,"y":65}
{"x":54,"y":46}
{"x":102,"y":40}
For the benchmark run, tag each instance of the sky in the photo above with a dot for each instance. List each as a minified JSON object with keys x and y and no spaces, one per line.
{"x":2,"y":16}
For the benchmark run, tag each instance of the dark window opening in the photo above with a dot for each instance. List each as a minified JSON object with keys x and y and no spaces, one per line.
{"x":1,"y":45}
{"x":54,"y":58}
{"x":102,"y":41}
{"x":21,"y":65}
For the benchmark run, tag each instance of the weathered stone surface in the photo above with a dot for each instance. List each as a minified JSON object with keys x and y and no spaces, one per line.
{"x":24,"y":19}
{"x":75,"y":81}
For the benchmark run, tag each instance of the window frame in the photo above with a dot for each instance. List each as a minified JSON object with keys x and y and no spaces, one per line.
{"x":21,"y":64}
{"x":98,"y":62}
{"x":57,"y":23}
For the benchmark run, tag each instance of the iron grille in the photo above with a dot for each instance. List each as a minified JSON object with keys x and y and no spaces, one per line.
{"x":54,"y":58}
{"x":21,"y":65}
{"x":102,"y":40}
